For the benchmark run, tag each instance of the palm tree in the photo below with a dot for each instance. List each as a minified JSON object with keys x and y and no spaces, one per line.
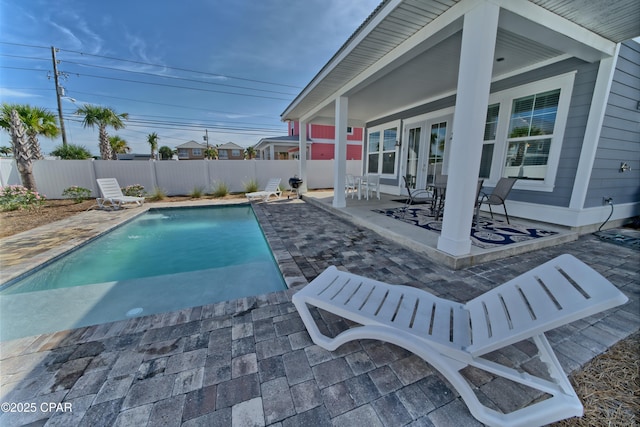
{"x":102,"y":117}
{"x":25,"y":123}
{"x":165,"y":152}
{"x":152,"y":139}
{"x":118,"y":146}
{"x":249,"y":153}
{"x":6,"y":151}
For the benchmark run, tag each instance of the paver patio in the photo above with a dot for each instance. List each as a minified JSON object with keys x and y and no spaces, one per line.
{"x":251,"y":362}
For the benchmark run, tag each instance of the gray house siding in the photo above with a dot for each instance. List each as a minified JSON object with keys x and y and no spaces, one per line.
{"x":620,"y":137}
{"x":584,"y":83}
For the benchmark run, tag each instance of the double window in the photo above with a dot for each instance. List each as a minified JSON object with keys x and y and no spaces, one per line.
{"x":523,"y":132}
{"x":381,"y":153}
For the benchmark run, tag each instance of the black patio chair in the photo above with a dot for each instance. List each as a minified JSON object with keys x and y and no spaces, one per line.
{"x":498,"y":195}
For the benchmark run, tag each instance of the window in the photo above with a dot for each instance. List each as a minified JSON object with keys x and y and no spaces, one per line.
{"x":381,"y":153}
{"x":222,"y":154}
{"x":531,"y":129}
{"x":197,"y":152}
{"x":490,"y":130}
{"x":183,"y":153}
{"x":235,"y":153}
{"x":524,"y":132}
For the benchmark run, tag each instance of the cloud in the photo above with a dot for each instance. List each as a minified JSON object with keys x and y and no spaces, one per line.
{"x":11,"y":93}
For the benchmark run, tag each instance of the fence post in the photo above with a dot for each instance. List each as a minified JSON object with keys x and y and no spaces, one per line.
{"x":94,"y":177}
{"x":154,"y":174}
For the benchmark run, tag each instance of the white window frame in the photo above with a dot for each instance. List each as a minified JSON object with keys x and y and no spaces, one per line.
{"x":381,"y":128}
{"x":565,"y":83}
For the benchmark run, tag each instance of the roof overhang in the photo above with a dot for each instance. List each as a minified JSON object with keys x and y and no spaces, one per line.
{"x":407,"y":52}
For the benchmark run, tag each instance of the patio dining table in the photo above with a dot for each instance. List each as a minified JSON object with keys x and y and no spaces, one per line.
{"x":362,"y":182}
{"x":440,"y":191}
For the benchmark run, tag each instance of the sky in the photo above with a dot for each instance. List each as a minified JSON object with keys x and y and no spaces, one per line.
{"x":229,"y":67}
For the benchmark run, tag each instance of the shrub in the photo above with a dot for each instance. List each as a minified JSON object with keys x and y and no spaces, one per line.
{"x":13,"y":197}
{"x":135,"y":190}
{"x":197,"y":192}
{"x":220,"y":189}
{"x":78,"y":194}
{"x":71,"y":152}
{"x":251,"y":186}
{"x":157,"y":194}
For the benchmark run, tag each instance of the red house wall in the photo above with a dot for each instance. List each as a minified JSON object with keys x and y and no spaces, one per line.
{"x":326,"y":151}
{"x":328,"y":132}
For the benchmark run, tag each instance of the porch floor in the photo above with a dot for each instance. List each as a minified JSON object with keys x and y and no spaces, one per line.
{"x":361,"y":212}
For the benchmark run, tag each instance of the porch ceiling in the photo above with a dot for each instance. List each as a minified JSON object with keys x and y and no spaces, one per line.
{"x":407,"y":51}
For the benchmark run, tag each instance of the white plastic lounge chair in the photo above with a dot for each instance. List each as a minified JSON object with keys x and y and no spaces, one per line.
{"x":451,"y":336}
{"x":272,"y":189}
{"x":112,"y":196}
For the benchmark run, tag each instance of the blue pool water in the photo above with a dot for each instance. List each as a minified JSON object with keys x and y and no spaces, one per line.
{"x":164,"y":260}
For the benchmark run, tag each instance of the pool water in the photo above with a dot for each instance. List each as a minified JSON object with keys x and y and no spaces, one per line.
{"x":164,"y":260}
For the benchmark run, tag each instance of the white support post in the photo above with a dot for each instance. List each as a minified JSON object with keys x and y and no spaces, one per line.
{"x":302,"y":165}
{"x":340,"y":153}
{"x":474,"y":81}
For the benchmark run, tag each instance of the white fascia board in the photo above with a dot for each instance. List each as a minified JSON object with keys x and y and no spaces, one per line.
{"x":447,"y":19}
{"x":558,"y":24}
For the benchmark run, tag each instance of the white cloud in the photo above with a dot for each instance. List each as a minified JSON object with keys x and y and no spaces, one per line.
{"x":11,"y":93}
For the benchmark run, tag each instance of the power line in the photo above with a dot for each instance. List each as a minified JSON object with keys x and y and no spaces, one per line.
{"x":181,"y":69}
{"x":175,"y":78}
{"x":181,"y":87}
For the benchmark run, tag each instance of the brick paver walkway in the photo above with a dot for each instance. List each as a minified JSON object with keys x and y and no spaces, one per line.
{"x":251,"y":363}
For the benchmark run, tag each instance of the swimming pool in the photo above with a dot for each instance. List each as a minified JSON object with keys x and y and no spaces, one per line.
{"x":164,"y":260}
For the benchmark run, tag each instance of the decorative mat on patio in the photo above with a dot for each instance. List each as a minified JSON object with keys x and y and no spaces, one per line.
{"x":621,"y":236}
{"x":489,"y":233}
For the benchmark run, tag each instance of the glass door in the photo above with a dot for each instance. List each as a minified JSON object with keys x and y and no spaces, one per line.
{"x":417,"y":155}
{"x":439,"y":147}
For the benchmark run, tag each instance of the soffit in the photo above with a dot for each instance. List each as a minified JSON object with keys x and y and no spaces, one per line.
{"x":615,"y":20}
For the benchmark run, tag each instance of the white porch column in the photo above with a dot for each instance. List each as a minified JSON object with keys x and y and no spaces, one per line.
{"x":340,"y":153}
{"x":474,"y":80}
{"x":272,"y":152}
{"x":302,"y":164}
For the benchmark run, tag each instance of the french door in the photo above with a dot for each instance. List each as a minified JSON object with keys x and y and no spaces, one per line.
{"x":427,"y":149}
{"x":417,"y":155}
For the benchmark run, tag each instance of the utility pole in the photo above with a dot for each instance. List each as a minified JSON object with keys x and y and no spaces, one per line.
{"x":206,"y":137}
{"x":59,"y":89}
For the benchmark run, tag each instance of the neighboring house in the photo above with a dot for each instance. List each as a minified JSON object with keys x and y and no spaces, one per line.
{"x":133,"y":156}
{"x":320,"y":143}
{"x":545,"y":90}
{"x":230,"y":151}
{"x":191,"y":150}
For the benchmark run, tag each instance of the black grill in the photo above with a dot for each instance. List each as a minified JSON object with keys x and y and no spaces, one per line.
{"x":295,"y":184}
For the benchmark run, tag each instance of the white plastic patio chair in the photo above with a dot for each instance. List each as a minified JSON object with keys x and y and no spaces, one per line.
{"x":451,"y":336}
{"x":371,"y":183}
{"x":271,"y":189}
{"x":350,"y":185}
{"x":112,"y":197}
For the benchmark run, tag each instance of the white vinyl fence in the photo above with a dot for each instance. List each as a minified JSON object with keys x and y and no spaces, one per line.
{"x":173,"y":177}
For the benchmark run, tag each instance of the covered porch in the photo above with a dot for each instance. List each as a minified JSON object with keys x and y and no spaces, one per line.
{"x":413,"y":67}
{"x":422,"y":236}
